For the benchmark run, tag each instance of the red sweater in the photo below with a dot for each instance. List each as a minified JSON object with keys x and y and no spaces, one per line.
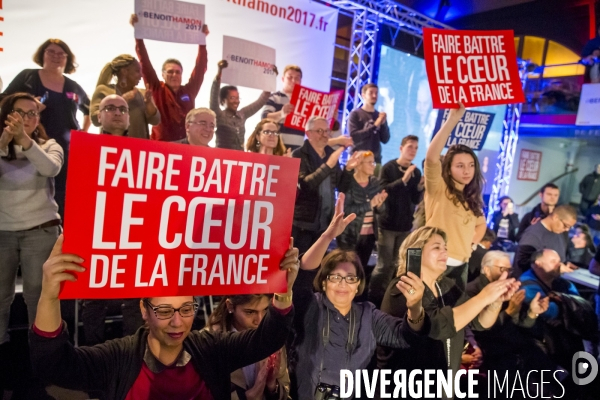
{"x":173,"y":106}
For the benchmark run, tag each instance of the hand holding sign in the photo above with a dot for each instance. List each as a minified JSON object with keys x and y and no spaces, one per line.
{"x":308,"y":103}
{"x":290,"y":263}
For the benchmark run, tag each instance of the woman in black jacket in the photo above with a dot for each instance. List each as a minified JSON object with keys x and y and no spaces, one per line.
{"x":363,"y":198}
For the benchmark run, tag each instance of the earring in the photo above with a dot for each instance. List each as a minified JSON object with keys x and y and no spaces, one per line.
{"x":230,"y":311}
{"x":257,"y":144}
{"x":356,"y":291}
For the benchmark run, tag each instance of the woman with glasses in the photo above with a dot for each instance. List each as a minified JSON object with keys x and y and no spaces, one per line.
{"x":265,"y":139}
{"x":29,"y":220}
{"x":60,"y":96}
{"x":363,"y":197}
{"x":142,"y":110}
{"x":231,"y":129}
{"x":163,"y":360}
{"x":332,"y":331}
{"x":449,"y":308}
{"x":265,"y":379}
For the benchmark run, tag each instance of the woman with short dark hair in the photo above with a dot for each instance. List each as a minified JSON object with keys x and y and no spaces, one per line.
{"x":61,"y":98}
{"x":332,"y":331}
{"x":231,"y":130}
{"x":29,"y":220}
{"x":265,"y":379}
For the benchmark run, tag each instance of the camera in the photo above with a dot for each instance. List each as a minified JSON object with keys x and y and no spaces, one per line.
{"x":327,"y":392}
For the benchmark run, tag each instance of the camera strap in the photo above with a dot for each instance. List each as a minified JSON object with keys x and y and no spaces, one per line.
{"x":349,"y":343}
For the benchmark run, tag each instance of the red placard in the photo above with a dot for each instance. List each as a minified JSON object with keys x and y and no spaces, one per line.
{"x":477,"y":68}
{"x":308,"y":102}
{"x":529,"y":165}
{"x":163,"y":219}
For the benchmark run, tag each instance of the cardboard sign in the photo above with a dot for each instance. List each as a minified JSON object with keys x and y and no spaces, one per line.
{"x":477,"y":68}
{"x":249,"y":64}
{"x":529,"y":165}
{"x":472,"y":129}
{"x":587,"y":113}
{"x":170,"y":21}
{"x":163,"y":219}
{"x":308,"y":102}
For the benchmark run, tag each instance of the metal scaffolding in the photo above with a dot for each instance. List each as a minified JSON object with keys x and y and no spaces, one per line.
{"x":368,"y":15}
{"x":508,"y":146}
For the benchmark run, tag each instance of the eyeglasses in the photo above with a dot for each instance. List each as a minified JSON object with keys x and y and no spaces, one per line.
{"x":233,"y":98}
{"x":565,"y":225}
{"x":58,"y":54}
{"x":26,"y":114}
{"x":173,"y":72}
{"x":270,"y":133}
{"x":113,"y":109}
{"x":371,"y":163}
{"x":325,"y":132}
{"x":503,"y":269}
{"x":204,"y":124}
{"x":350,"y":279}
{"x":167,"y":312}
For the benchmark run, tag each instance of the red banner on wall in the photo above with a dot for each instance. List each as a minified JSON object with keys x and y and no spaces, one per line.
{"x":162,"y":219}
{"x":477,"y":68}
{"x":308,"y":102}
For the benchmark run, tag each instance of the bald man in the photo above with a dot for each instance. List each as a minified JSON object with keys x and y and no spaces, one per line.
{"x":114,"y":115}
{"x":549,"y":233}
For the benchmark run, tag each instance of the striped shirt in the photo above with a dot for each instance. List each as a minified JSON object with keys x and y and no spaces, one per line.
{"x":292,"y":138}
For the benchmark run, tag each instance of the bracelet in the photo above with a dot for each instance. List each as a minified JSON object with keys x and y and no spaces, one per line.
{"x":418,"y":321}
{"x":536,"y":315}
{"x":284,"y":298}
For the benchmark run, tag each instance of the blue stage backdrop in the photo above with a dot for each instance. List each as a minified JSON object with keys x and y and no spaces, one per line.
{"x":404,"y":96}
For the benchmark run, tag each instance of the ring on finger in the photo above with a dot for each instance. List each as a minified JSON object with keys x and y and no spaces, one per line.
{"x":411,"y":291}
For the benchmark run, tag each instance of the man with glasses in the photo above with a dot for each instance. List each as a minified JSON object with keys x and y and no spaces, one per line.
{"x":320,"y":175}
{"x":114,"y":115}
{"x":549,"y":233}
{"x":172,"y":99}
{"x":199,"y":127}
{"x":368,"y":127}
{"x":165,"y":359}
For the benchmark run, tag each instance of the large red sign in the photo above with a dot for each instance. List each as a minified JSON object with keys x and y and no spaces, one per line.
{"x":476,"y":68}
{"x":308,"y":102}
{"x":530,"y":162}
{"x":162,"y":219}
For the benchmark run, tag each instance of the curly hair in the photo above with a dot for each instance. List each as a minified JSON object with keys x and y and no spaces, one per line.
{"x":112,"y":68}
{"x":470,"y":197}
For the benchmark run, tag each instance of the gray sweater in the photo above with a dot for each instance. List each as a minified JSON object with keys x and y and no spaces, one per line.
{"x":27,"y":186}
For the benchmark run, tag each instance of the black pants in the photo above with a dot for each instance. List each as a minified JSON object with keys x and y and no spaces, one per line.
{"x":94,"y":313}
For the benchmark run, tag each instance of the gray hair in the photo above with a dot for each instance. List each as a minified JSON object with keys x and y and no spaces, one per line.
{"x":198,"y":111}
{"x":491,"y":256}
{"x":311,"y":122}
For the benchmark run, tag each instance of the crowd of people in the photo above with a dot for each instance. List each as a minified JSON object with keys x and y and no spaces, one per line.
{"x":471,"y":306}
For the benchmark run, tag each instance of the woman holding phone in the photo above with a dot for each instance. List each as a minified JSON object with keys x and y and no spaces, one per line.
{"x":448,"y":307}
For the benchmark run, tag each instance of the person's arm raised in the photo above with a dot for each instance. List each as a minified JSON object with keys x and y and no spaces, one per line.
{"x":290,"y":263}
{"x":439,"y":140}
{"x":313,"y":256}
{"x":55,"y":271}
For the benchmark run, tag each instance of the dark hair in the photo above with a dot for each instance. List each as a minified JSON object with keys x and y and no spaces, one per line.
{"x":589,"y":242}
{"x":470,"y":197}
{"x":409,"y":138}
{"x":38,"y":56}
{"x":252,"y":142}
{"x":224,"y":92}
{"x":172,"y":61}
{"x":331,"y":260}
{"x":220,"y":319}
{"x":368,"y":86}
{"x":548,"y":186}
{"x":489,"y":236}
{"x":501,"y":199}
{"x":537,"y":255}
{"x":6,"y":107}
{"x":565,"y":210}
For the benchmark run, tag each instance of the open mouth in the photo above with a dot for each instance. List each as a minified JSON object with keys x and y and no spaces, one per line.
{"x":177,"y":335}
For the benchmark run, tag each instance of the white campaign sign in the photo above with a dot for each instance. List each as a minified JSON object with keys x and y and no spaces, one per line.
{"x":302,"y":32}
{"x":588,"y":114}
{"x":170,"y":21}
{"x":249,"y":64}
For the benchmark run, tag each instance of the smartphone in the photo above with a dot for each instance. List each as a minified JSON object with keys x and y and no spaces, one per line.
{"x":413,"y":261}
{"x":44,"y":98}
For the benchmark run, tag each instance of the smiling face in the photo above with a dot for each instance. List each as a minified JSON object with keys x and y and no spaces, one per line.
{"x":268,"y":141}
{"x":248,"y":315}
{"x":367,"y":165}
{"x":341,"y":294}
{"x":290,"y":79}
{"x":462,"y":168}
{"x":28,"y":106}
{"x":131,"y":74}
{"x":169,"y":333}
{"x":434,"y":256}
{"x":232,"y":101}
{"x":55,"y":57}
{"x":200,"y":129}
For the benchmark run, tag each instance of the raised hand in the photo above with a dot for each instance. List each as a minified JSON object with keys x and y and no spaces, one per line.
{"x":538,"y":305}
{"x":205,"y":30}
{"x":353,"y":161}
{"x":334,"y":158}
{"x":222,"y":64}
{"x":291,"y":264}
{"x":57,"y":269}
{"x":412,"y":288}
{"x":457,"y":113}
{"x":339,"y":223}
{"x":133,"y":19}
{"x":288,"y":108}
{"x":515,"y":303}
